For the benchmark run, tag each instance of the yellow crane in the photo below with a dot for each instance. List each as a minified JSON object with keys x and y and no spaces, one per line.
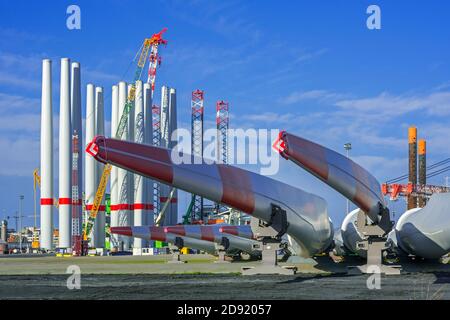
{"x":37,"y":183}
{"x":149,"y":45}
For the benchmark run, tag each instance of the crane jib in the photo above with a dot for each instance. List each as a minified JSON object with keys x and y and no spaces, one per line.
{"x":148,"y":43}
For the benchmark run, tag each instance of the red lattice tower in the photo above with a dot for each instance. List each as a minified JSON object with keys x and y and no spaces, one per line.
{"x":155,"y":59}
{"x":76,"y":201}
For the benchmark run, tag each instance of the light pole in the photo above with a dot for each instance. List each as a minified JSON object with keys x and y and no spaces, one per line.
{"x":21,"y":197}
{"x":348,"y":147}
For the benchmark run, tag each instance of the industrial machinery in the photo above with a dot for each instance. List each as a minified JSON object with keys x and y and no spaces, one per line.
{"x":304,"y":216}
{"x":416,"y":191}
{"x":150,"y":45}
{"x":422,"y":230}
{"x":396,"y":190}
{"x":353,"y":182}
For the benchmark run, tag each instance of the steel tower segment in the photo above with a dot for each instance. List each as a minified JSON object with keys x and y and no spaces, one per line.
{"x":197,"y":106}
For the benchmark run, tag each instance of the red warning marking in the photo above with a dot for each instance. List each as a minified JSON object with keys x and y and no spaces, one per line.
{"x":46,"y":201}
{"x":92,"y":148}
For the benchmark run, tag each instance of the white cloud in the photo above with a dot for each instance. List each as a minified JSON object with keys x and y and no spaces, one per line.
{"x":321,"y":95}
{"x":97,"y":76}
{"x":386,"y":104}
{"x":20,"y":70}
{"x":310,"y":55}
{"x":10,"y":35}
{"x":19,"y":157}
{"x":383,"y":168}
{"x":229,"y":19}
{"x":269,"y":117}
{"x":20,"y":123}
{"x":10,"y":103}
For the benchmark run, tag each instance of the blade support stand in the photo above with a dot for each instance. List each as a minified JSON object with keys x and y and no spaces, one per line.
{"x":374,"y":244}
{"x":269,"y":234}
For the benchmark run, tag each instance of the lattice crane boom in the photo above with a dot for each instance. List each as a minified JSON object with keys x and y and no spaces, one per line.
{"x":149,"y":45}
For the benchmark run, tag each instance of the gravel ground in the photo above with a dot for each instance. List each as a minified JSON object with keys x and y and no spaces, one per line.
{"x":225,"y":287}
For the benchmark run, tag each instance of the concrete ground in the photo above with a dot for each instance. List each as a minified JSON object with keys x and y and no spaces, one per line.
{"x":150,"y":277}
{"x":116,"y":265}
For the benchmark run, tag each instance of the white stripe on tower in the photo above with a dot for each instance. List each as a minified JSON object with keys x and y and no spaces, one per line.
{"x":65,"y":157}
{"x":99,"y":226}
{"x":113,"y":186}
{"x":46,"y":237}
{"x":90,"y":162}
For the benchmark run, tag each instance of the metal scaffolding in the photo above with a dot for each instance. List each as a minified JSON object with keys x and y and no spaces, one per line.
{"x":222,"y":122}
{"x":77,"y":249}
{"x":156,"y":139}
{"x":197,"y":106}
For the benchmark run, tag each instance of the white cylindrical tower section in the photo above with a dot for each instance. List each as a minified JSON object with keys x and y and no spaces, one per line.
{"x":46,"y":237}
{"x":173,"y":212}
{"x":172,"y":118}
{"x":123,"y":177}
{"x":77,"y":129}
{"x":99,"y":225}
{"x":164,"y":127}
{"x":148,"y":139}
{"x":164,"y":117}
{"x":140,"y":195}
{"x":65,"y":158}
{"x":130,"y":175}
{"x":113,"y":186}
{"x":90,"y":162}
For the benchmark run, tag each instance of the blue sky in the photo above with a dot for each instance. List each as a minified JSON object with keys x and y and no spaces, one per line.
{"x":311,"y":67}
